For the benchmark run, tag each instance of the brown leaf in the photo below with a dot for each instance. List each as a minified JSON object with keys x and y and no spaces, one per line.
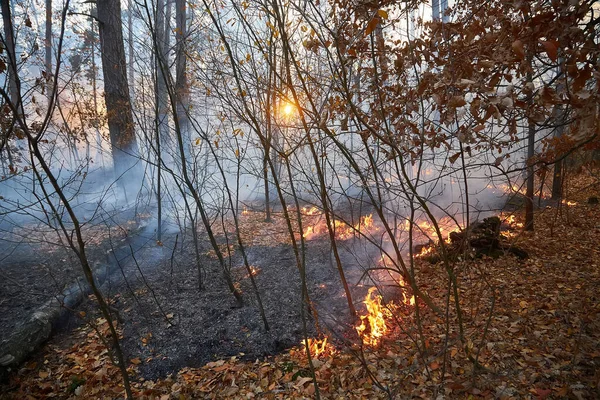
{"x":372,"y":25}
{"x":454,"y":158}
{"x":541,"y":393}
{"x":517,"y":47}
{"x":457,"y":101}
{"x":551,"y":47}
{"x":479,"y":128}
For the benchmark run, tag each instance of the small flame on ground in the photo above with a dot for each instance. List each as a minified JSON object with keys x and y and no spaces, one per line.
{"x":310,"y":211}
{"x":253,"y":271}
{"x":317,"y":348}
{"x":425,"y":251}
{"x":512,"y":220}
{"x":373,"y":326}
{"x":343,"y":231}
{"x":446,"y":225}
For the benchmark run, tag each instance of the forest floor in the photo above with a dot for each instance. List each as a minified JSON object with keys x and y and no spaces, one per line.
{"x":530,"y":329}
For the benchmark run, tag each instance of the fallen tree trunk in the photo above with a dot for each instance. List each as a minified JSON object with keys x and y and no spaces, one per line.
{"x":34,"y":331}
{"x":482,"y":239}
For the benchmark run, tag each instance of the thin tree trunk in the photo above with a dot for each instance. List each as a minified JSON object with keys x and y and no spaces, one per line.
{"x":181,"y":85}
{"x":558,"y":166}
{"x":530,"y":170}
{"x":162,"y":63}
{"x":9,"y":44}
{"x":116,"y":88}
{"x":130,"y":45}
{"x":48,"y":48}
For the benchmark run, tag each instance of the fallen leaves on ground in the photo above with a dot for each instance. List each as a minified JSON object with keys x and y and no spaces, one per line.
{"x":531,"y":331}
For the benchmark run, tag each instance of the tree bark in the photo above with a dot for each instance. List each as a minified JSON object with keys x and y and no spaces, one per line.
{"x":181,"y":84}
{"x":116,"y":88}
{"x":162,"y":68}
{"x":558,"y":165}
{"x":48,"y":48}
{"x":530,"y":177}
{"x":9,"y":44}
{"x":130,"y":45}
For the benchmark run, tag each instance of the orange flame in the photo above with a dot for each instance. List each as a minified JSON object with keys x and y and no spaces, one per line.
{"x":425,"y":228}
{"x":512,"y":220}
{"x":343,"y":231}
{"x":317,"y":347}
{"x":253,"y":271}
{"x":310,"y":211}
{"x":373,"y":326}
{"x":425,"y":251}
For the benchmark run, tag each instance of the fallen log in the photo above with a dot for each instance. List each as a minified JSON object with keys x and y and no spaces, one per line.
{"x":34,"y":331}
{"x":482,"y":238}
{"x":39,"y":326}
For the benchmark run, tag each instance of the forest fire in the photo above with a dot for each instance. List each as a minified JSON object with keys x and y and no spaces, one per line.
{"x":446,"y":226}
{"x":425,"y":251}
{"x":318,"y":348}
{"x":310,"y":211}
{"x":343,"y":230}
{"x":512,"y":220}
{"x":373,"y":326}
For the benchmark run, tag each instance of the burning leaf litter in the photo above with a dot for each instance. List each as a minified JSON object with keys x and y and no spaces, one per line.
{"x":542,"y":340}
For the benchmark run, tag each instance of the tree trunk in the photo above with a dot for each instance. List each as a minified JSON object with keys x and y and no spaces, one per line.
{"x":48,"y":48}
{"x":9,"y":45}
{"x":558,"y":165}
{"x":530,"y":177}
{"x":116,"y":88}
{"x":162,"y":65}
{"x":130,"y":45}
{"x":181,"y":85}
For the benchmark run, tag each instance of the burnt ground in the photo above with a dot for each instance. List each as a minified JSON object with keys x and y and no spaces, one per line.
{"x":167,"y":322}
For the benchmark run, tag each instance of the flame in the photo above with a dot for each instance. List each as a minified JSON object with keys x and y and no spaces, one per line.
{"x":512,"y":220}
{"x":310,"y":211}
{"x":253,"y":271}
{"x":373,"y":326}
{"x":245,"y":211}
{"x":569,"y":203}
{"x":425,"y":251}
{"x":343,"y":231}
{"x":317,"y":347}
{"x":446,"y":225}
